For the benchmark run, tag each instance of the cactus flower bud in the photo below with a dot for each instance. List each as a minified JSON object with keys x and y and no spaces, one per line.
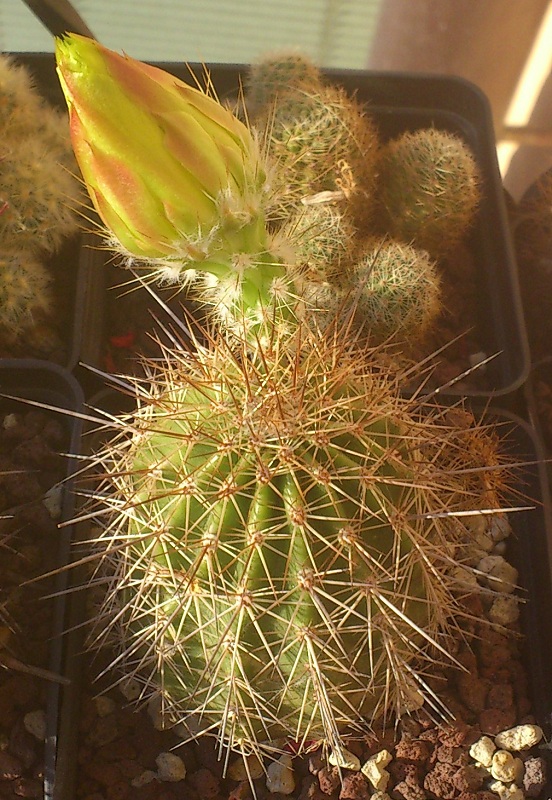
{"x":167,"y":167}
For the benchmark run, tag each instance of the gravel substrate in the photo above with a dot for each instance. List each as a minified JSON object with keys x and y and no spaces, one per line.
{"x":29,"y":469}
{"x":124,"y":754}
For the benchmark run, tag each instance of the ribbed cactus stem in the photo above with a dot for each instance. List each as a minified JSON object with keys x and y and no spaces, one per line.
{"x":278,"y":541}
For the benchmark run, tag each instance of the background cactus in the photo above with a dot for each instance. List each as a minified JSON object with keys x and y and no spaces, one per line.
{"x":398,"y":296}
{"x":40,"y":196}
{"x":321,"y":140}
{"x":429,"y":187}
{"x":273,"y":75}
{"x":26,"y":294}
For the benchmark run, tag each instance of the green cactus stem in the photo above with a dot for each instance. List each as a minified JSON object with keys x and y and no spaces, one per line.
{"x":278,"y":542}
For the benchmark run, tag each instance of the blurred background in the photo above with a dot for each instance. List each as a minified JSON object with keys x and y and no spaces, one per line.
{"x":503,"y":46}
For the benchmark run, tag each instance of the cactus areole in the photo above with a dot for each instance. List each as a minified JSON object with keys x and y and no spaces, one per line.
{"x":276,"y":565}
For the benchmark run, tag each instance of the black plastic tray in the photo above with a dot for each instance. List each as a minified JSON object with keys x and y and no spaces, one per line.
{"x":44,"y":383}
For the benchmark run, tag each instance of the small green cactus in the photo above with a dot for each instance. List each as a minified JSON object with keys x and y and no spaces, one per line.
{"x":324,"y":239}
{"x":398,"y":295}
{"x":40,"y":196}
{"x":321,"y":141}
{"x":273,"y":75}
{"x":26,"y":294}
{"x":429,"y":189}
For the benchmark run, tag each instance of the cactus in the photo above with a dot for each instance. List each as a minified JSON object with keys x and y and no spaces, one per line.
{"x":324,"y":239}
{"x":322,"y":141}
{"x":278,"y":542}
{"x":279,"y":529}
{"x":399,"y":292}
{"x":26,"y":296}
{"x":20,"y":103}
{"x":39,"y":194}
{"x":273,"y":75}
{"x":429,"y":187}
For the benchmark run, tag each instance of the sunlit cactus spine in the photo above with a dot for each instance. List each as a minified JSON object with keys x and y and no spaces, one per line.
{"x":279,"y":543}
{"x":26,"y":294}
{"x":429,"y":189}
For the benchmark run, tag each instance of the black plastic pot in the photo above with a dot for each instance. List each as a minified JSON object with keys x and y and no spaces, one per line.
{"x":56,"y":390}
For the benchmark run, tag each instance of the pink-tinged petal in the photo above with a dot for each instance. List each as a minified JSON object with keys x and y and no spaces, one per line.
{"x":154,"y":152}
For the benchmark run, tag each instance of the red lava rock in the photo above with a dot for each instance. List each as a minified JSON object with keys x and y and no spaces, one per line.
{"x":407,"y":791}
{"x":470,"y":778}
{"x":404,"y":772}
{"x":494,"y":649}
{"x":416,"y":750}
{"x":355,"y":787}
{"x":241,"y":792}
{"x":534,"y":778}
{"x":472,"y":691}
{"x":328,"y":779}
{"x":501,"y":695}
{"x":440,"y":781}
{"x":477,"y":796}
{"x":10,"y":767}
{"x":457,"y":756}
{"x":494,"y":720}
{"x":206,"y":784}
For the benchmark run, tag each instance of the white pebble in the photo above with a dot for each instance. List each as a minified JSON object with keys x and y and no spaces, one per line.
{"x":170,"y":767}
{"x":279,"y":775}
{"x":344,"y":759}
{"x":9,"y":421}
{"x":155,"y":712}
{"x":35,"y":724}
{"x":374,"y":770}
{"x":482,"y":751}
{"x":499,"y":527}
{"x":504,"y":610}
{"x":465,"y":577}
{"x":143,"y":779}
{"x":511,"y":792}
{"x":130,"y":689}
{"x":506,"y":768}
{"x":522,"y":737}
{"x":104,"y":705}
{"x":501,"y":575}
{"x":53,"y":500}
{"x":243,"y":768}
